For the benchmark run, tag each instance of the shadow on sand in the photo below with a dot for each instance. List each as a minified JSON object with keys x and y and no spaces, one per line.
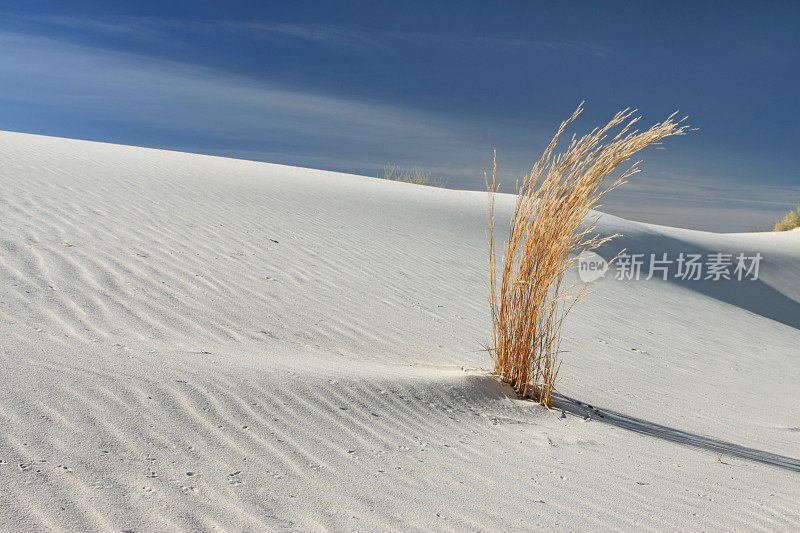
{"x":753,"y":295}
{"x":644,"y":427}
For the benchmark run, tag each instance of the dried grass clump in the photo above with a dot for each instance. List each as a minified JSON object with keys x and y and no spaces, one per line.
{"x":412,"y":175}
{"x":550,"y":225}
{"x":789,"y":222}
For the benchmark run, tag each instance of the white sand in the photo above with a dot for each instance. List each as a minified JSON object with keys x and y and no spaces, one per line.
{"x":164,"y":364}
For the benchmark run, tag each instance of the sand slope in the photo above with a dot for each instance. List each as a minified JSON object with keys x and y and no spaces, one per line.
{"x":191,"y":342}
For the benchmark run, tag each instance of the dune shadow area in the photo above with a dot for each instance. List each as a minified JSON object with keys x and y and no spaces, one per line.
{"x":750,"y":294}
{"x":645,"y":427}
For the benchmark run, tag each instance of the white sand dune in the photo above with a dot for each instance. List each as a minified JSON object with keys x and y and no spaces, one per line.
{"x":198,"y":343}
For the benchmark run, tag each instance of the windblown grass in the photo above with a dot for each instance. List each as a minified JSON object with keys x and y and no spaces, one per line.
{"x":412,"y":175}
{"x":551,"y":223}
{"x":790,"y":221}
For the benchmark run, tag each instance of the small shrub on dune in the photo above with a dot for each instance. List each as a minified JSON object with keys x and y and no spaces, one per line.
{"x":413,"y":175}
{"x":789,"y":222}
{"x":551,"y":223}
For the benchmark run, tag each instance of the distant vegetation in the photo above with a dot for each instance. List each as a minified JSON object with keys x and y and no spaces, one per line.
{"x":411,"y":175}
{"x":759,"y":229}
{"x":790,"y":221}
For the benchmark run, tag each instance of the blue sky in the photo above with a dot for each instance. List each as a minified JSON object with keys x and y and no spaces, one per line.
{"x":352,"y":86}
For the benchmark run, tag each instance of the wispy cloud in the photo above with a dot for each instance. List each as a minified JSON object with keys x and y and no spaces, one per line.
{"x":161,"y":30}
{"x":552,"y":47}
{"x":216,"y":106}
{"x":539,"y":47}
{"x":321,"y":34}
{"x":687,"y":200}
{"x":137,"y":28}
{"x":209,"y":111}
